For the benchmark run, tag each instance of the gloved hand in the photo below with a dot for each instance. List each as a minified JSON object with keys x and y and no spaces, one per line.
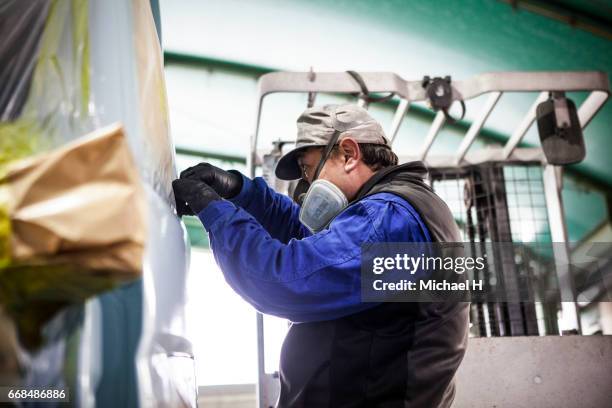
{"x":227,"y":184}
{"x":182,"y":208}
{"x":196,"y":194}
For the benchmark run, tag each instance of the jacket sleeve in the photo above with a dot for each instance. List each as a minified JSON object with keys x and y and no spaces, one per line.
{"x":277,"y":213}
{"x":312,"y":279}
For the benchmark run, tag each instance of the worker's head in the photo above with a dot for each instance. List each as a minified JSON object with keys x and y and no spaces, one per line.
{"x":349,"y":166}
{"x":352,"y":144}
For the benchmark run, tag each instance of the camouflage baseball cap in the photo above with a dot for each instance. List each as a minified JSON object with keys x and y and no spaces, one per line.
{"x":317,"y":125}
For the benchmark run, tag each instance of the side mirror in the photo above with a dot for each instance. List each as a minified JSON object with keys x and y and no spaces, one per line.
{"x":560,"y":131}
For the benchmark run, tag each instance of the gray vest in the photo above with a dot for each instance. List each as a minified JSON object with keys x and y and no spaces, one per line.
{"x":406,"y":181}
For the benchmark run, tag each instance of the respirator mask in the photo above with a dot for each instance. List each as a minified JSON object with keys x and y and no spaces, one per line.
{"x":320,"y":200}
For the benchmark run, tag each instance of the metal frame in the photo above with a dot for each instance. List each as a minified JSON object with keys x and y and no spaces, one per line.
{"x":489,"y":198}
{"x":494,"y":84}
{"x":412,"y":91}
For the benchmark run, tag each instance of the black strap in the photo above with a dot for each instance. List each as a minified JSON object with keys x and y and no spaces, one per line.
{"x":300,"y":190}
{"x":365,"y":93}
{"x":326,"y":153}
{"x":452,"y":120}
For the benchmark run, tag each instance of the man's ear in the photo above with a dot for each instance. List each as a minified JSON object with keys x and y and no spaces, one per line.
{"x":350,"y":152}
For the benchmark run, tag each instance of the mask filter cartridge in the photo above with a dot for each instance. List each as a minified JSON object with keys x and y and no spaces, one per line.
{"x":323,"y":201}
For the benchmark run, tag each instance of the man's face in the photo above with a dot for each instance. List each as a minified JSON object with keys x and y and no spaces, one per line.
{"x":340,"y":169}
{"x":308,"y":162}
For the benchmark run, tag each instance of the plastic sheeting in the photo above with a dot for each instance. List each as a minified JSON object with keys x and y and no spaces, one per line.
{"x":69,"y":68}
{"x":72,"y":211}
{"x":64,"y":74}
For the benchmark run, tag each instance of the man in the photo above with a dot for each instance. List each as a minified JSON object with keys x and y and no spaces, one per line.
{"x":303,"y":264}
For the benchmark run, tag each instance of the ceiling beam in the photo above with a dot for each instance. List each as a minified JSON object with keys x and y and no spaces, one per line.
{"x":567,"y":14}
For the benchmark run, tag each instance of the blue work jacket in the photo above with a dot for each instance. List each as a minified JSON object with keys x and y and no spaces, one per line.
{"x":270,"y":259}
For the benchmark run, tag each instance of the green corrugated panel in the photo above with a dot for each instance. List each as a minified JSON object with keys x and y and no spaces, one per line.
{"x":494,"y":34}
{"x":197,"y":234}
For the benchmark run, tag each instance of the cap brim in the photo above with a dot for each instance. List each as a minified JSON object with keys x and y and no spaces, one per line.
{"x":287,"y":167}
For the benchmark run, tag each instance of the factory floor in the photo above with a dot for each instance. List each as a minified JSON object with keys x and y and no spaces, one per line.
{"x":227,"y":396}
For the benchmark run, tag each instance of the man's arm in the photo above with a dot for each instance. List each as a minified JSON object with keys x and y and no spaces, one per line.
{"x":312,"y":279}
{"x":277,"y":213}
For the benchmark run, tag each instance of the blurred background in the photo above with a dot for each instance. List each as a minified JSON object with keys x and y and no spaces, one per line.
{"x":214,"y":52}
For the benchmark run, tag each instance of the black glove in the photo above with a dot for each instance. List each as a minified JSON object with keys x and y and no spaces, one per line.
{"x":227,"y":183}
{"x":196,"y":194}
{"x":182,"y":208}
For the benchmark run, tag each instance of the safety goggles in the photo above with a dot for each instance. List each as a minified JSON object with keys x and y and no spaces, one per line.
{"x":303,"y":185}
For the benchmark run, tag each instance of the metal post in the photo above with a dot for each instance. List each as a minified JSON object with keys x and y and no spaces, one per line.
{"x":398,"y":118}
{"x":477,"y":126}
{"x":524,"y":126}
{"x":591,"y":105}
{"x":434,"y":129}
{"x":261,"y":364}
{"x":556,"y":218}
